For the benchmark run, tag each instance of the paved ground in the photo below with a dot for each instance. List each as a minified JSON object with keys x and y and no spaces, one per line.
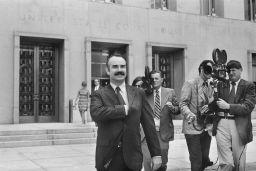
{"x":81,"y":157}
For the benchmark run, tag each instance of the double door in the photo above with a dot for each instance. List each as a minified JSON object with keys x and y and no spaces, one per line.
{"x":37,"y":88}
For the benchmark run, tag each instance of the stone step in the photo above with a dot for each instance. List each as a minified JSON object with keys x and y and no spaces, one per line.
{"x":48,"y":131}
{"x":47,"y":136}
{"x":11,"y":144}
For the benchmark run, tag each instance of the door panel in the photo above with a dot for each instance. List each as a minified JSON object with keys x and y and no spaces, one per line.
{"x":37,"y":83}
{"x":26,"y":105}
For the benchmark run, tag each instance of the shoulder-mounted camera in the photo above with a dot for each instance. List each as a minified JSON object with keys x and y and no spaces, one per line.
{"x":219,"y":68}
{"x":147,"y":82}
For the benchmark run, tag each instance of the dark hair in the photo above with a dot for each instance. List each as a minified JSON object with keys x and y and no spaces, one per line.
{"x":203,"y":64}
{"x":115,"y":54}
{"x":84,"y":84}
{"x":234,"y":64}
{"x":155,"y":72}
{"x":137,"y":79}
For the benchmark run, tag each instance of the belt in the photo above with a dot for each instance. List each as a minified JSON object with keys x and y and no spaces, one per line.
{"x":227,"y":117}
{"x":223,"y":115}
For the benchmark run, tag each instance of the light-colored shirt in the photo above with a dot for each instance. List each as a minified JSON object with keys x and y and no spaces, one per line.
{"x":123,"y":93}
{"x":96,"y":87}
{"x":235,"y":85}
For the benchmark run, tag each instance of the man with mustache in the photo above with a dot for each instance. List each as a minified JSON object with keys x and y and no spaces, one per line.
{"x":233,"y":126}
{"x":119,"y":109}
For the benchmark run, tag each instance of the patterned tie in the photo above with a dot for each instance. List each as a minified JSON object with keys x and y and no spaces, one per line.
{"x":205,"y":91}
{"x":119,"y":96}
{"x":157,"y":107}
{"x":232,"y":94}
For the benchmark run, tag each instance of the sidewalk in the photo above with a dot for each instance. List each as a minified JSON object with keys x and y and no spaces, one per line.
{"x":81,"y":157}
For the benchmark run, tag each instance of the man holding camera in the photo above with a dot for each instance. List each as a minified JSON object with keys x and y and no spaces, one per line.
{"x":233,"y":127}
{"x":196,"y":94}
{"x":164,"y":103}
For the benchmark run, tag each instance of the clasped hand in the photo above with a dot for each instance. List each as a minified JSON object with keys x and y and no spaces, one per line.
{"x":170,"y":105}
{"x":222,"y":104}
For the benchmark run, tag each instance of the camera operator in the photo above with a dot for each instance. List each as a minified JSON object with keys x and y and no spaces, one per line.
{"x":196,"y":94}
{"x":233,"y":125}
{"x":164,"y":103}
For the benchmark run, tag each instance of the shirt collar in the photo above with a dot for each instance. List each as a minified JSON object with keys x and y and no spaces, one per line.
{"x":122,"y":86}
{"x":237,"y":82}
{"x":201,"y":81}
{"x":159,"y":90}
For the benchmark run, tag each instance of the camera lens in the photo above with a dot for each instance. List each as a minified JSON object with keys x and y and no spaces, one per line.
{"x":207,"y":69}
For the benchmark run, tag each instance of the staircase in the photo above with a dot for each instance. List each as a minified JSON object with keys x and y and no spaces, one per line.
{"x":27,"y":135}
{"x":45,"y":134}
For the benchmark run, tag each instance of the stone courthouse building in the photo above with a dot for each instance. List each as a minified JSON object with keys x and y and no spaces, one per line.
{"x":48,"y":47}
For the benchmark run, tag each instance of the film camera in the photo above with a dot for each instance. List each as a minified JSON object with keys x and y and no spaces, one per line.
{"x":147,"y":82}
{"x":219,"y":68}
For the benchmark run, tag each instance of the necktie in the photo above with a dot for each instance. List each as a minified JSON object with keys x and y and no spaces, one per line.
{"x":119,"y":96}
{"x":157,"y":107}
{"x":232,"y":94}
{"x":205,"y":91}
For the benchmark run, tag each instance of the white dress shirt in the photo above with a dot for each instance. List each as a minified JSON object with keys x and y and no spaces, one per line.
{"x":235,"y":85}
{"x":123,"y":93}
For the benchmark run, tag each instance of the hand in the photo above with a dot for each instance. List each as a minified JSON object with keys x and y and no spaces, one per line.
{"x":156,"y":162}
{"x":170,"y":105}
{"x":191,"y":117}
{"x":204,"y":109}
{"x":222,"y":104}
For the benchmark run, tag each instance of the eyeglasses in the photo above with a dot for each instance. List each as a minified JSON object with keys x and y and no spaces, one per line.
{"x":138,"y":86}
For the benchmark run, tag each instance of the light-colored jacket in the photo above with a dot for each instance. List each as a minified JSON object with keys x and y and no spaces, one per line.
{"x":193,"y":95}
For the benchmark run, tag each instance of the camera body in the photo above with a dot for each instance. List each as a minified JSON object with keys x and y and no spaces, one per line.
{"x":219,"y":68}
{"x":147,"y":84}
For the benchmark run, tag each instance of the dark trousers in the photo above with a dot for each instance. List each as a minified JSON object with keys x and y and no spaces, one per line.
{"x":199,"y":148}
{"x":117,"y":163}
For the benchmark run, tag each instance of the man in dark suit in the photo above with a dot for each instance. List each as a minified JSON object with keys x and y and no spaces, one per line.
{"x":118,"y":109}
{"x":233,"y":125}
{"x":165,"y":104}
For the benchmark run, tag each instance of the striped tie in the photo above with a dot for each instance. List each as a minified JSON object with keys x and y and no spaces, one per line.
{"x":157,"y":107}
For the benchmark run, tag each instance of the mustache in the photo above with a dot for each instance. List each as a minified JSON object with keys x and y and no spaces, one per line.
{"x":120,"y":73}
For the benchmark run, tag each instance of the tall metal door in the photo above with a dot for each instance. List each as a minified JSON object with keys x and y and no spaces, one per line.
{"x":38,"y":102}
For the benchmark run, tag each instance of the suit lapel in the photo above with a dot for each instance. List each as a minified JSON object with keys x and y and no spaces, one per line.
{"x":239,"y":90}
{"x":151,"y":100}
{"x":130,"y":94}
{"x":164,"y":97}
{"x":111,"y":93}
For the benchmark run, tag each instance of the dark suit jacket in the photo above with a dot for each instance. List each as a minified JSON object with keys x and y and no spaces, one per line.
{"x":244,"y":104}
{"x":111,"y":120}
{"x":166,"y":125}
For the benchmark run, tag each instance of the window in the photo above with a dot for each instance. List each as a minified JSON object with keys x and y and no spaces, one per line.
{"x":212,"y":8}
{"x":164,"y":4}
{"x":250,"y":10}
{"x":254,"y":68}
{"x":110,"y":1}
